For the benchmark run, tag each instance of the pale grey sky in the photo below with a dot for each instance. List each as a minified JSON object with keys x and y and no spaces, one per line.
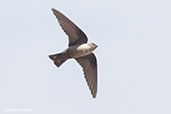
{"x":135,"y":78}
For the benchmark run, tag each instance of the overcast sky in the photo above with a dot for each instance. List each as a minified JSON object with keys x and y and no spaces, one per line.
{"x":134,"y":57}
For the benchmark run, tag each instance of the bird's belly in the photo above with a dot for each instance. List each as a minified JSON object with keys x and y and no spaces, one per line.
{"x":76,"y":52}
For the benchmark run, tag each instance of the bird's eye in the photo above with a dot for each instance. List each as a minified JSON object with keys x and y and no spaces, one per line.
{"x":93,"y":44}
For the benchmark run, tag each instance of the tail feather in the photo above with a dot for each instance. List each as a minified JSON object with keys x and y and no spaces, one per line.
{"x":57,"y":59}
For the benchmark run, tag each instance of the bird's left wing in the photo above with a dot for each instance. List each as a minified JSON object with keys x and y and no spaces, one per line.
{"x":89,"y":65}
{"x":76,"y":35}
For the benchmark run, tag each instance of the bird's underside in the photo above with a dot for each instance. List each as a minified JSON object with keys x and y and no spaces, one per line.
{"x":77,"y":37}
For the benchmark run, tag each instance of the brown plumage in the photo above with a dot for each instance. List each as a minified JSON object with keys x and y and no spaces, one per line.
{"x":78,"y":49}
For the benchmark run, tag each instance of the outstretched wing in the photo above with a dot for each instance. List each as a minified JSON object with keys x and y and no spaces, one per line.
{"x":76,"y":35}
{"x":89,"y":65}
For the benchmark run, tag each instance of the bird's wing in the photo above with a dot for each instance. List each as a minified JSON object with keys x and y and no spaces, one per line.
{"x":76,"y":35}
{"x":89,"y":65}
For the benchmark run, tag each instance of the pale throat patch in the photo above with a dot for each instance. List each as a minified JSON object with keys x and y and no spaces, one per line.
{"x":84,"y":47}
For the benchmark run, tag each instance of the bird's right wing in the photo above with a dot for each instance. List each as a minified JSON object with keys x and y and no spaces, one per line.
{"x":89,"y":65}
{"x":76,"y":35}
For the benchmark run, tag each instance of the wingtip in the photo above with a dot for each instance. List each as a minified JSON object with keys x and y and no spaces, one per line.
{"x":53,"y":9}
{"x":93,"y":95}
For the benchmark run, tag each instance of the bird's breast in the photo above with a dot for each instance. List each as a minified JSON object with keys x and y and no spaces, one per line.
{"x":79,"y":51}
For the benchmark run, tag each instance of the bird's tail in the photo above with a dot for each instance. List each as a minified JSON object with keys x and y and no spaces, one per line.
{"x":58,"y":59}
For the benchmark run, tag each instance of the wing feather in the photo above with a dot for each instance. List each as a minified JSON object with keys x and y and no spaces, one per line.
{"x":89,"y":65}
{"x":76,"y":35}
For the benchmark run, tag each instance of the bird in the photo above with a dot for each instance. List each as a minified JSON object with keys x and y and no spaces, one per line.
{"x":79,"y":49}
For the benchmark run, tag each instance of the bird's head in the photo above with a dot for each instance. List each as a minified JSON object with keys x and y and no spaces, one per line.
{"x":93,"y":45}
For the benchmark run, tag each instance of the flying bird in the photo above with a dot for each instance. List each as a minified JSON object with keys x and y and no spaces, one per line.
{"x":79,"y":50}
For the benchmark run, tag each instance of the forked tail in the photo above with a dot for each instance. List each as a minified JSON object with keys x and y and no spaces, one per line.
{"x":58,"y":59}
